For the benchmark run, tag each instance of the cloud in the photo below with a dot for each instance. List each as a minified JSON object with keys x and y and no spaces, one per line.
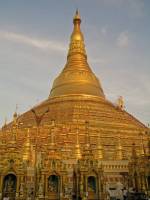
{"x":123,"y":40}
{"x":41,"y":44}
{"x":104,"y":31}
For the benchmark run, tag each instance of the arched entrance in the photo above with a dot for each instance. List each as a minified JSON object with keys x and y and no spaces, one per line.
{"x":92,"y":188}
{"x":9,"y":186}
{"x":53,"y":186}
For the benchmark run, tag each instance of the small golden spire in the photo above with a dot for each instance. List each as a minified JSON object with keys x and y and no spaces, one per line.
{"x":87,"y":149}
{"x":99,"y":148}
{"x":52,"y":138}
{"x":119,"y":152}
{"x":52,"y":147}
{"x":142,"y":145}
{"x":134,"y":154}
{"x":5,"y":122}
{"x":77,"y":146}
{"x":87,"y":134}
{"x":27,"y":147}
{"x":51,"y":134}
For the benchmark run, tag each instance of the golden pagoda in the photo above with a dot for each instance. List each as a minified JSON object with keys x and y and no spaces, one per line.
{"x":76,"y":144}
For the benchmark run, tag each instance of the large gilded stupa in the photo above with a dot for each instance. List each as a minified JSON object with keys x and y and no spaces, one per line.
{"x":75,"y":144}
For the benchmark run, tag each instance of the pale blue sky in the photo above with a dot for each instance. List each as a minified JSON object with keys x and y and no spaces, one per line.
{"x":34,"y":38}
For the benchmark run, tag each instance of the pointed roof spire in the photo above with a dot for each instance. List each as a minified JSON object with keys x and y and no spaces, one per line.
{"x":76,"y":77}
{"x":77,"y":39}
{"x":77,"y":15}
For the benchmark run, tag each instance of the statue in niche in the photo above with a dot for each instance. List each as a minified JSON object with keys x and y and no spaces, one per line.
{"x":53,"y":183}
{"x":91,"y":184}
{"x":10,"y":184}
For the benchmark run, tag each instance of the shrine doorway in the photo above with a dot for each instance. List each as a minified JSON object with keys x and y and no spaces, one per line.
{"x":9,"y":186}
{"x":92,"y":188}
{"x":53,"y":186}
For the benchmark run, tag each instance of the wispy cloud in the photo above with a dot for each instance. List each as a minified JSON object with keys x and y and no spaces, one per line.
{"x":104,"y":30}
{"x":123,"y":39}
{"x":42,"y":44}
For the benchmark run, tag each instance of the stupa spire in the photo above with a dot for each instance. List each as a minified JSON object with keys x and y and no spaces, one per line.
{"x":76,"y":77}
{"x":77,"y":39}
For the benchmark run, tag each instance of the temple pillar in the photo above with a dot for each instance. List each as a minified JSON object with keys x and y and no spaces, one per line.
{"x":17,"y":187}
{"x":40,"y":192}
{"x":99,"y":186}
{"x":61,"y":187}
{"x":1,"y":186}
{"x":86,"y":186}
{"x":81,"y":186}
{"x":77,"y":192}
{"x":1,"y":183}
{"x":46,"y":187}
{"x":143,"y":183}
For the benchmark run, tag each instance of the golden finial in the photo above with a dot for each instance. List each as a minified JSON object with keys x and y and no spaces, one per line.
{"x":77,"y":16}
{"x":15,"y":115}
